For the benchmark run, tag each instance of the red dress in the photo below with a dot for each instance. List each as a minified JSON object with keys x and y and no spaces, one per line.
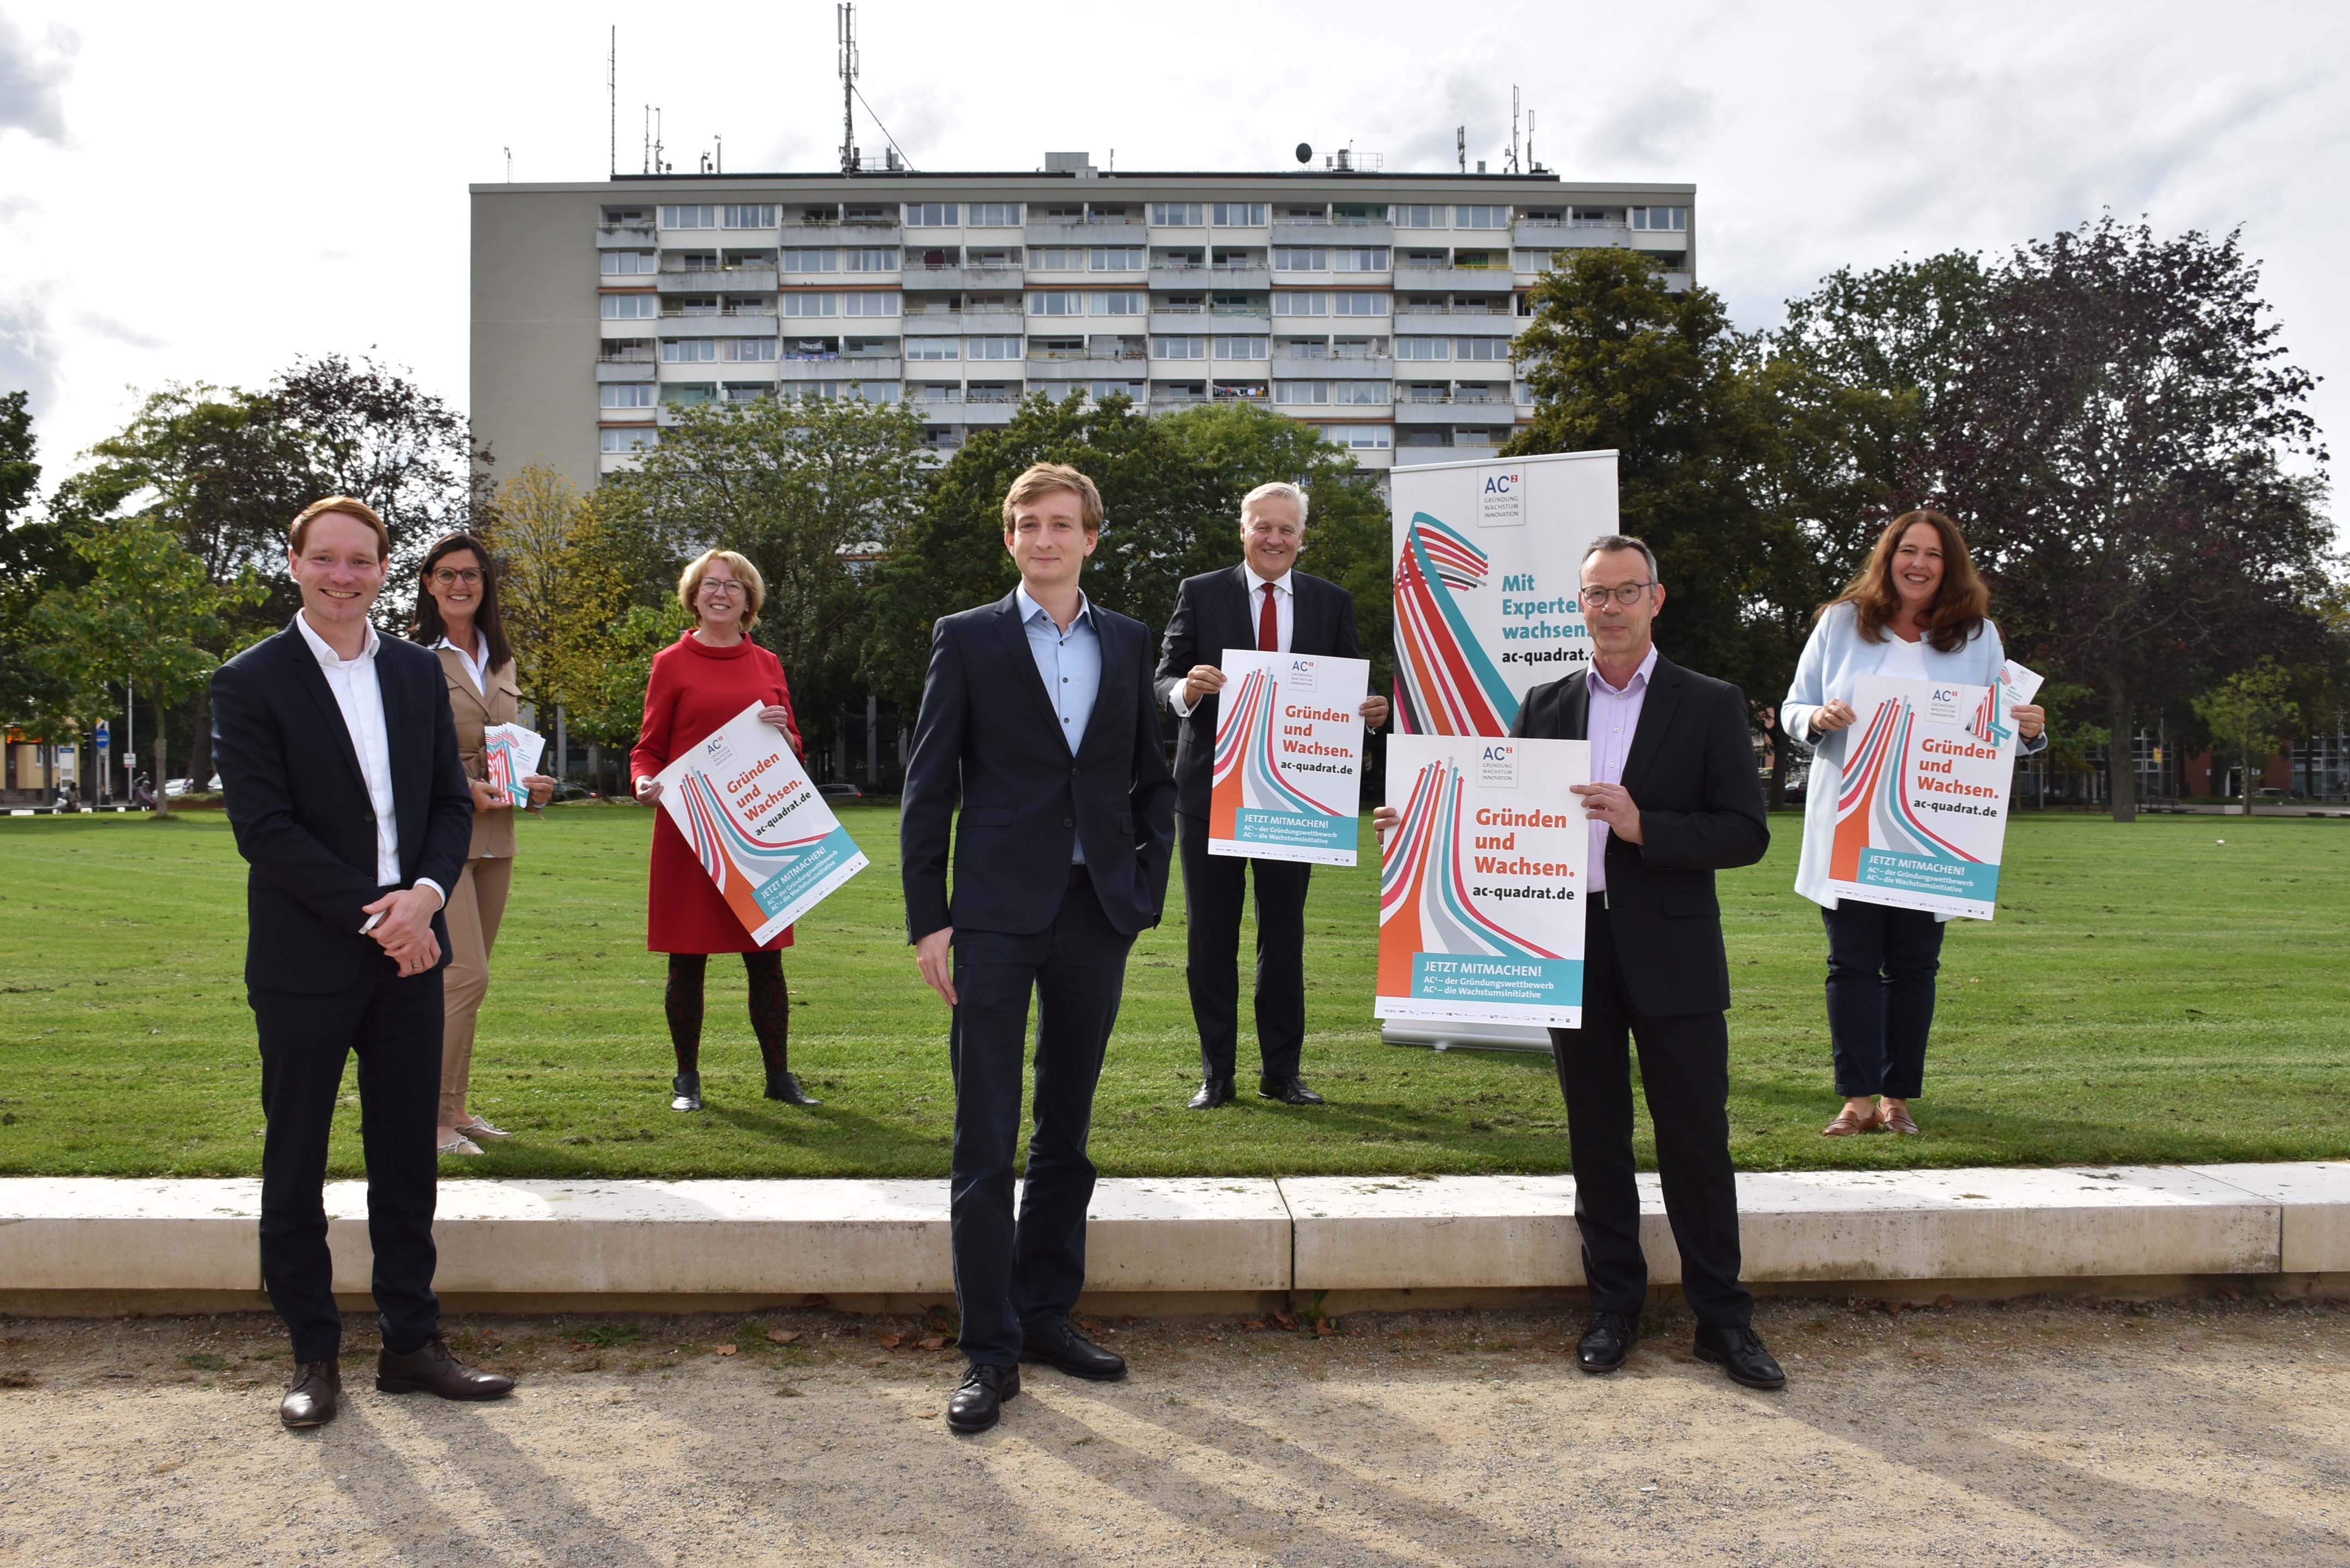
{"x":695,"y":689}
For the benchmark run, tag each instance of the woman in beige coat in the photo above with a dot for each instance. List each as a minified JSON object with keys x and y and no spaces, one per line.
{"x":457,"y":617}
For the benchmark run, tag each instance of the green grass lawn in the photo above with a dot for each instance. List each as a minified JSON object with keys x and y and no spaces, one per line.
{"x":2150,"y":993}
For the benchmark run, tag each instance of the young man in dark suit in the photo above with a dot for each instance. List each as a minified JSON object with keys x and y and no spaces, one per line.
{"x":1039,"y":719}
{"x":1264,"y":603}
{"x":338,"y":764}
{"x":1674,"y":798}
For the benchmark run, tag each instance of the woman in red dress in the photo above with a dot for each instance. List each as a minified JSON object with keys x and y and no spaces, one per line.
{"x":699,"y":682}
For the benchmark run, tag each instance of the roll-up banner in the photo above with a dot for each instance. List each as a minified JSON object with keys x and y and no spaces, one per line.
{"x":1488,"y":559}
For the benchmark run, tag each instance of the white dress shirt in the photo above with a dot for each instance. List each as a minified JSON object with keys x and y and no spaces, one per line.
{"x":1613,"y":719}
{"x":1284,"y":620}
{"x":477,"y":665}
{"x":360,"y":697}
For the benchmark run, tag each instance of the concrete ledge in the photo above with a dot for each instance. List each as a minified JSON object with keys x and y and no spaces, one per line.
{"x":1175,"y":1244}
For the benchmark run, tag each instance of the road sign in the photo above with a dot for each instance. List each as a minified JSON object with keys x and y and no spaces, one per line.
{"x":105,"y":736}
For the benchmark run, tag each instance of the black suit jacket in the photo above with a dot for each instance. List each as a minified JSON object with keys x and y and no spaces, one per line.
{"x":990,"y":739}
{"x":1211,"y":614}
{"x":299,"y":804}
{"x":1691,"y":772}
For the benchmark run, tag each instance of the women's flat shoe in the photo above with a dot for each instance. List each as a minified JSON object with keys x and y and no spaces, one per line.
{"x":460,"y":1144}
{"x":477,"y":1128}
{"x":1849,"y":1123}
{"x":1897,"y":1119}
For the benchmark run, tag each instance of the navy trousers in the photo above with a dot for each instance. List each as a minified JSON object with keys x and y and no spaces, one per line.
{"x":1211,"y":917}
{"x":1881,"y":967}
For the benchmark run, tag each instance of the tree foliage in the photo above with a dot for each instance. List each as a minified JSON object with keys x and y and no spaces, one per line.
{"x":2251,"y":712}
{"x":37,"y":555}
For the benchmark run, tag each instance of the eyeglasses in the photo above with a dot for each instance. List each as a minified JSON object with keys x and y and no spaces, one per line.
{"x":1624,"y":594}
{"x":444,"y":577}
{"x":721,"y":585}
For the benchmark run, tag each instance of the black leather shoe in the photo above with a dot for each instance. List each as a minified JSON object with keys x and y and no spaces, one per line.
{"x":310,"y":1402}
{"x":785,"y":1088}
{"x":431,"y":1369}
{"x":1608,"y":1342}
{"x":978,"y":1403}
{"x":1214,"y":1092}
{"x":685,"y":1092}
{"x":1063,"y":1347}
{"x":1740,"y":1353}
{"x":1288,"y":1091}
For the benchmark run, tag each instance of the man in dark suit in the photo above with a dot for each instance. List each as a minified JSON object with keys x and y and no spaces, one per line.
{"x":1674,"y":798}
{"x":1038,"y":719}
{"x":1264,"y":603}
{"x":339,"y":763}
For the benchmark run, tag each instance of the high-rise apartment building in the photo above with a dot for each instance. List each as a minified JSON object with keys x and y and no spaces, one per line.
{"x":1378,"y":308}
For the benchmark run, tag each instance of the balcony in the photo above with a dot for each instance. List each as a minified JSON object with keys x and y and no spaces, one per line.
{"x":838,"y":231}
{"x":732,"y":324}
{"x":1333,"y":232}
{"x":1447,"y":275}
{"x":1090,"y":232}
{"x":633,"y":366}
{"x":1330,"y":365}
{"x":1162,"y":399}
{"x":633,"y":236}
{"x":1473,"y":408}
{"x":1079,"y":364}
{"x":725,"y":280}
{"x":838,"y":368}
{"x":1496,"y":308}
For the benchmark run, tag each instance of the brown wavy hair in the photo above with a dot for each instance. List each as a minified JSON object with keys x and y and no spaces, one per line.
{"x":488,"y":618}
{"x":1960,"y":606}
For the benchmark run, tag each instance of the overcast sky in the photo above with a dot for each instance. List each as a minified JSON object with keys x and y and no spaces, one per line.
{"x":204,"y":193}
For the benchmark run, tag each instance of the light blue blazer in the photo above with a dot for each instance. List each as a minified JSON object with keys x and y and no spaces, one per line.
{"x":1835,"y":659}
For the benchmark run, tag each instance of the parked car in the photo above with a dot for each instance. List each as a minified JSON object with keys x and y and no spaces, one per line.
{"x":178,"y":786}
{"x":2271,"y":792}
{"x":567,"y":790}
{"x":840,"y":790}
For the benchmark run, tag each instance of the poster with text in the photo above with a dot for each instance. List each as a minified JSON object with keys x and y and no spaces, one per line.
{"x":1481,"y":885}
{"x":510,"y":754}
{"x":1921,"y":808}
{"x":1289,"y":757}
{"x":769,"y":842}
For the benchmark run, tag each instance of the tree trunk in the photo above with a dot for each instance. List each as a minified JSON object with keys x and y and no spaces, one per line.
{"x":162,"y":766}
{"x":199,"y":745}
{"x":2121,"y":772}
{"x":2250,"y":782}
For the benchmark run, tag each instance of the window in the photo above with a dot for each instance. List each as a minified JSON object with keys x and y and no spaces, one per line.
{"x":1125,"y":301}
{"x":746,"y":350}
{"x":1242,"y":349}
{"x":1423,"y":348}
{"x":1358,"y":305}
{"x":995,"y":214}
{"x":626,"y":439}
{"x":689,"y":350}
{"x":1359,"y":437}
{"x":811,"y":305}
{"x":932,"y":349}
{"x":1660,"y":217}
{"x":872,"y":303}
{"x":1237,"y":215}
{"x":1495,"y":348}
{"x":1532,"y":261}
{"x":689,"y":217}
{"x":1301,"y":391}
{"x":931,"y":214}
{"x":1301,"y":304}
{"x":1056,"y":301}
{"x":880,"y":258}
{"x":629,"y":395}
{"x":630,"y":307}
{"x":1178,"y":215}
{"x":1359,"y":391}
{"x":1370,"y":259}
{"x":624,"y":263}
{"x":1100,"y":389}
{"x":1179,"y":347}
{"x":996,"y":347}
{"x":1480,"y":217}
{"x":1057,"y":258}
{"x":1301,"y":258}
{"x":750,"y":217}
{"x":810,"y":261}
{"x":1117,"y":258}
{"x":1418,"y":217}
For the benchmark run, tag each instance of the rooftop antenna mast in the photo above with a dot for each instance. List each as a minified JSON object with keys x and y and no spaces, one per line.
{"x":1461,"y":146}
{"x":1533,"y":164}
{"x":612,"y":99}
{"x":847,"y":12}
{"x":1514,"y":129}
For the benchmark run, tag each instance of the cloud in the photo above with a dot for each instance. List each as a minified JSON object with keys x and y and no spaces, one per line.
{"x":28,"y":351}
{"x":1648,"y":129}
{"x":29,"y":81}
{"x":107,"y":327}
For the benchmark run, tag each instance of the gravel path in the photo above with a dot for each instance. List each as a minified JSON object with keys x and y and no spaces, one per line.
{"x":2038,"y":1433}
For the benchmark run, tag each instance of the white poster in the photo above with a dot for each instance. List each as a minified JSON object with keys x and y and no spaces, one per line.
{"x":1288,"y":781}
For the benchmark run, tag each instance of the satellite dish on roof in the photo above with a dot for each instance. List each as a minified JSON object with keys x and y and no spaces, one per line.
{"x":1304,"y":153}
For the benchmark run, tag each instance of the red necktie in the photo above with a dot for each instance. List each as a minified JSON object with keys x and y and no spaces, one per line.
{"x":1268,"y":625}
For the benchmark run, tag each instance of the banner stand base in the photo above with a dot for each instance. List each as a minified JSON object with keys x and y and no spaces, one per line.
{"x":1459,"y":1036}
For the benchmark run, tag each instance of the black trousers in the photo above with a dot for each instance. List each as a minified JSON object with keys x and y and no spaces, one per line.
{"x":1685,"y":1073}
{"x":1017,"y":1274}
{"x":394,"y":1026}
{"x":1881,"y":967}
{"x":1212,"y":918}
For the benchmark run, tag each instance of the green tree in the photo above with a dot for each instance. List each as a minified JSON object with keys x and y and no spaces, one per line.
{"x":2250,"y":712}
{"x":533,"y":525}
{"x":37,"y":555}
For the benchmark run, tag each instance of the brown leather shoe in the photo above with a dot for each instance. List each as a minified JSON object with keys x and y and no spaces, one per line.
{"x":1896,"y":1117}
{"x":432,"y":1370}
{"x":1849,"y":1122}
{"x":310,"y":1401}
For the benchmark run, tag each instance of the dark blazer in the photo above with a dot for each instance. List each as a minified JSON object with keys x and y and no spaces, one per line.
{"x":1691,"y":772}
{"x":299,"y":804}
{"x":989,"y":739}
{"x":1213,"y":614}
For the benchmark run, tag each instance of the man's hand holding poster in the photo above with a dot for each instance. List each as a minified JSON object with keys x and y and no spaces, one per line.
{"x":1289,"y":758}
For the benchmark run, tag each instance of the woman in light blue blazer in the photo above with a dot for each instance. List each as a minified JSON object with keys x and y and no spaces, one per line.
{"x":1917,"y":610}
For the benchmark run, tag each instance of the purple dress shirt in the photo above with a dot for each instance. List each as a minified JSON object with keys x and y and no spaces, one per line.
{"x":1615,"y":715}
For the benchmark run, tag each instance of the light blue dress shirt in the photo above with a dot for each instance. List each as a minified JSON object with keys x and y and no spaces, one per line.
{"x":1070,"y":664}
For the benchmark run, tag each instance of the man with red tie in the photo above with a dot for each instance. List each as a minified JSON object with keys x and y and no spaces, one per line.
{"x":1266,"y":604}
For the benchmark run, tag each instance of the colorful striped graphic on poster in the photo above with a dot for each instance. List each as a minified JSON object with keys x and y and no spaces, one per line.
{"x":1921,"y":812}
{"x":773,"y":848}
{"x":1287,"y":781}
{"x":1446,"y":683}
{"x":1480,"y":917}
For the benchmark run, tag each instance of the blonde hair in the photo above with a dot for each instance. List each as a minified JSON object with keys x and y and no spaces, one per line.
{"x":1042,"y":479}
{"x":349,"y":507}
{"x":689,"y":582}
{"x":1277,"y":489}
